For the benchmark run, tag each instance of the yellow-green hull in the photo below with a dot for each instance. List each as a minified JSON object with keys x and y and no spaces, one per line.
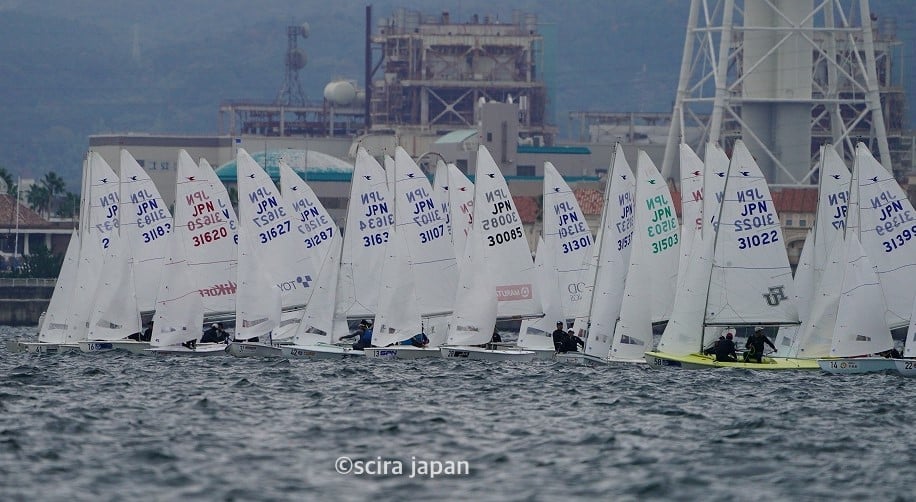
{"x":699,"y":361}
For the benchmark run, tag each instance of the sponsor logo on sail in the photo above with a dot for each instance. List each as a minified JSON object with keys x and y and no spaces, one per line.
{"x":513,"y":292}
{"x":775,"y":295}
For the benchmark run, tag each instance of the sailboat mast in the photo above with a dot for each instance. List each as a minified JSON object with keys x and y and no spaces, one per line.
{"x":607,"y":198}
{"x":715,"y":239}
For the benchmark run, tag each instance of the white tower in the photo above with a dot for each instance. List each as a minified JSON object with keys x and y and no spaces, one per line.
{"x":784,"y":75}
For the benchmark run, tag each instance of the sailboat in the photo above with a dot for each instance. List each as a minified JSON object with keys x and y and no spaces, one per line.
{"x":875,"y":273}
{"x":272,"y":231}
{"x":179,"y":312}
{"x":610,"y":266}
{"x":134,"y":263}
{"x":499,"y":267}
{"x":653,"y":265}
{"x":537,"y":334}
{"x":370,"y":221}
{"x":202,"y":205}
{"x":320,"y":328}
{"x":907,"y":366}
{"x":739,"y":275}
{"x":812,"y":284}
{"x":428,"y":259}
{"x":859,"y":325}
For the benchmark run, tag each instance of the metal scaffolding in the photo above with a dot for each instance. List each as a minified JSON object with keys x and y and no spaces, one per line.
{"x":786,"y":76}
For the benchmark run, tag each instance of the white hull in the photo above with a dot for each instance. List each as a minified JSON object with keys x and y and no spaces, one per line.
{"x":906,"y":367}
{"x":482,"y":354}
{"x":541,"y":354}
{"x":319,"y":352}
{"x":590,"y":360}
{"x":202,"y":349}
{"x":253,"y":349}
{"x":97,"y":346}
{"x":857,"y":365}
{"x":40,"y":347}
{"x":402,"y":352}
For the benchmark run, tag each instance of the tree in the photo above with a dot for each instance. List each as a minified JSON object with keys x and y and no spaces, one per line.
{"x":55,"y":186}
{"x":8,"y":181}
{"x":39,"y":198}
{"x":69,"y":206}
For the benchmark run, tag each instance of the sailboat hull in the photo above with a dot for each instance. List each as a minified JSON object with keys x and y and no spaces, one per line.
{"x":40,"y":347}
{"x":250,"y":349}
{"x":202,"y":350}
{"x":542,"y":354}
{"x":906,"y":367}
{"x":482,"y":354}
{"x":319,"y":352}
{"x":699,"y":361}
{"x":97,"y":346}
{"x":850,"y":366}
{"x":402,"y":352}
{"x":583,"y":359}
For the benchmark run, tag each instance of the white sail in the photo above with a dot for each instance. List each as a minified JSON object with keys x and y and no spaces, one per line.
{"x":887,"y":227}
{"x":832,"y":208}
{"x":461,"y":211}
{"x":685,"y":332}
{"x":145,"y":222}
{"x":474,"y":317}
{"x":370,"y":220}
{"x":57,"y":317}
{"x":318,"y":323}
{"x":316,"y":227}
{"x":815,"y":334}
{"x":751,"y":280}
{"x":208,"y":234}
{"x":179,"y":307}
{"x":258,"y":300}
{"x":389,"y":172}
{"x":787,"y":337}
{"x":116,"y":314}
{"x":569,"y":240}
{"x":271,"y":222}
{"x":97,"y":236}
{"x":398,"y":315}
{"x":691,"y":203}
{"x":498,"y":226}
{"x":716,"y":172}
{"x":661,"y":243}
{"x":422,"y":226}
{"x":615,"y":245}
{"x":860,"y":327}
{"x":538,"y":333}
{"x":653,"y":262}
{"x":909,"y":349}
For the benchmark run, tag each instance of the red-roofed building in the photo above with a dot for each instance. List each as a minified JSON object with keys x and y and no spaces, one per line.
{"x":29,"y":231}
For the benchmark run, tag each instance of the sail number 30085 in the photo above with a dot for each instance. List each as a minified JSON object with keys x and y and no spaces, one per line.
{"x":506,"y":236}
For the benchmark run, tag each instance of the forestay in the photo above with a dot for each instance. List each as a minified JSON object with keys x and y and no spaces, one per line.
{"x":179,"y":307}
{"x":537,"y":333}
{"x":398,"y":315}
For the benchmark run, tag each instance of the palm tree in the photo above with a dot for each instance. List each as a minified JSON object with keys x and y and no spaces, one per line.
{"x":7,"y":180}
{"x":55,"y":186}
{"x":39,"y":198}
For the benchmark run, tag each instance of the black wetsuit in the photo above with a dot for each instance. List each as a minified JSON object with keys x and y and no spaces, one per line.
{"x":559,"y":340}
{"x":755,"y":345}
{"x":725,"y":350}
{"x":210,"y":336}
{"x":572,"y":343}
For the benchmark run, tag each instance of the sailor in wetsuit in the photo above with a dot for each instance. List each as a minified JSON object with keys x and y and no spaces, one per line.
{"x":755,"y":345}
{"x":725,"y":349}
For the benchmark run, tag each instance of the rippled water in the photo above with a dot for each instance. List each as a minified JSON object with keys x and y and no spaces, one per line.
{"x":120,"y":426}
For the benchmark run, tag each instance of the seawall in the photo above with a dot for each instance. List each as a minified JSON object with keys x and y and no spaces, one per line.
{"x":23,"y":300}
